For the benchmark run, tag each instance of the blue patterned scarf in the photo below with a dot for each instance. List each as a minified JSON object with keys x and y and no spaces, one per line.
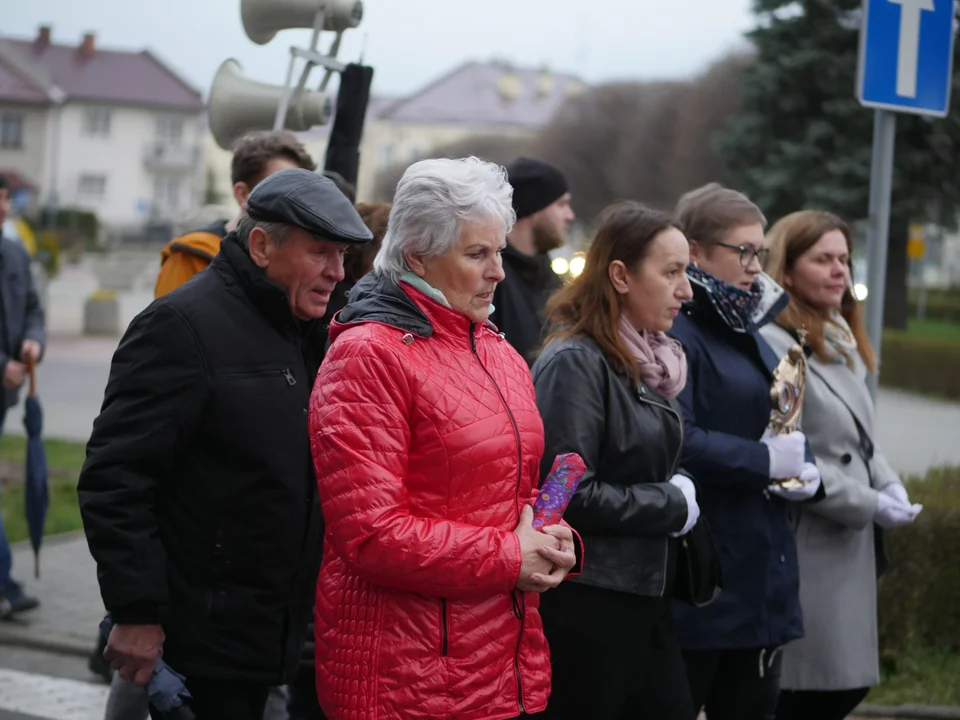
{"x":738,"y":308}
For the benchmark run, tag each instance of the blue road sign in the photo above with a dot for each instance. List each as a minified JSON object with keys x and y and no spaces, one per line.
{"x":906,"y":55}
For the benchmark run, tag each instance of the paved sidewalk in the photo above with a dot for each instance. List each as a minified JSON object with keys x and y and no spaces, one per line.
{"x":70,"y":607}
{"x":30,"y":695}
{"x":64,"y":624}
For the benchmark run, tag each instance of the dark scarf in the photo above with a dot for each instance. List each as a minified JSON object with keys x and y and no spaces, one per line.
{"x":736,"y":306}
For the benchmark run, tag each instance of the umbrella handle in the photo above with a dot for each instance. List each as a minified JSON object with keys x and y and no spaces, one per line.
{"x":31,"y":366}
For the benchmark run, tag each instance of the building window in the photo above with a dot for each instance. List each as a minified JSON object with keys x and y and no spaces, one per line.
{"x":170,"y":130}
{"x":386,"y":159}
{"x":92,"y":186}
{"x":11,"y":131}
{"x":96,"y":122}
{"x":166,"y":192}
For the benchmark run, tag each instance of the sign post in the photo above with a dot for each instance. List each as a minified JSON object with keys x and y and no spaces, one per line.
{"x":905,"y":65}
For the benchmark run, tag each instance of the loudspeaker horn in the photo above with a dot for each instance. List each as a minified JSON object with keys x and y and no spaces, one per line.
{"x":239,"y":105}
{"x":263,"y":19}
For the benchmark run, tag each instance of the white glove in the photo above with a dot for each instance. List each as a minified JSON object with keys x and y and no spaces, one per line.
{"x":898,"y":492}
{"x":787,"y":454}
{"x":809,"y":476}
{"x":892,"y":513}
{"x":685,"y":485}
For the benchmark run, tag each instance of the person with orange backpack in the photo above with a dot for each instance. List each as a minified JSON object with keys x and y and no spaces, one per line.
{"x":256,"y":155}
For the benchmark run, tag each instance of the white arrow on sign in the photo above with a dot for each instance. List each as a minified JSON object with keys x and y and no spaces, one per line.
{"x":909,"y":50}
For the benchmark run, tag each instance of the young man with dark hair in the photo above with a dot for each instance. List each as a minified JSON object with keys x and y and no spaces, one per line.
{"x":256,"y":156}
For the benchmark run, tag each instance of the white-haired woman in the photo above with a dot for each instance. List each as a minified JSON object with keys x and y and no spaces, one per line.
{"x":427,"y":443}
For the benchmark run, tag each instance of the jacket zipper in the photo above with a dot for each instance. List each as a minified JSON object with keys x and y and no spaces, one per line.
{"x":443,"y":627}
{"x":641,"y":395}
{"x":519,"y":607}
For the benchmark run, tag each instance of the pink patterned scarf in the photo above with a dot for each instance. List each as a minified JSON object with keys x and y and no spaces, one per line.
{"x":663,"y":366}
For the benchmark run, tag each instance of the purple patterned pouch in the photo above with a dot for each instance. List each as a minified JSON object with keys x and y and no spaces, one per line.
{"x":557,"y":489}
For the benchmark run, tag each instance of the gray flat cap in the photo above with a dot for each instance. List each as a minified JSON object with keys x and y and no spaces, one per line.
{"x":309,"y":201}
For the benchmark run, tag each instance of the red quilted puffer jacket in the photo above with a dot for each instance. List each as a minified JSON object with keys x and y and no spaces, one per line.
{"x":426,"y":441}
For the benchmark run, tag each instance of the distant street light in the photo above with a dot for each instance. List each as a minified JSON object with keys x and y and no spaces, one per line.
{"x":560,"y":266}
{"x":576,"y":265}
{"x":860,"y":291}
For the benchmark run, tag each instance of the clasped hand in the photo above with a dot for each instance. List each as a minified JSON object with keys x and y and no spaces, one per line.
{"x":547,"y":555}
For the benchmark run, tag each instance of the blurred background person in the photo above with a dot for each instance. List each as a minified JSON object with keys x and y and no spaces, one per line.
{"x":732,"y":648}
{"x":829,"y":671}
{"x":427,"y":444}
{"x":23,"y":335}
{"x":606,"y":386}
{"x":541,"y":200}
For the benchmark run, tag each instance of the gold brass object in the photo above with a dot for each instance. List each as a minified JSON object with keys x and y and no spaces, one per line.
{"x":786,"y":397}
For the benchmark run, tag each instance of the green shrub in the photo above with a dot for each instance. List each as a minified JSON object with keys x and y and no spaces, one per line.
{"x":938,"y":308}
{"x":920,"y":364}
{"x":941,"y":303}
{"x":919,"y":596}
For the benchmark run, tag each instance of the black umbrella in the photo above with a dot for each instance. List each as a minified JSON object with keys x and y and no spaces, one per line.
{"x":35,"y":483}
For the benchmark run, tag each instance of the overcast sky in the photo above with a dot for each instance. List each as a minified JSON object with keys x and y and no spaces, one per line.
{"x":409,"y":42}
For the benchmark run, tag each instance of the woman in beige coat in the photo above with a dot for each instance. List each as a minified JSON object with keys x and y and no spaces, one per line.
{"x":828,"y":672}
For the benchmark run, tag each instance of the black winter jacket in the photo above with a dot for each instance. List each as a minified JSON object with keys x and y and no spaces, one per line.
{"x":629,"y":438}
{"x":726,"y":408}
{"x":198,"y":495}
{"x":520,"y":300}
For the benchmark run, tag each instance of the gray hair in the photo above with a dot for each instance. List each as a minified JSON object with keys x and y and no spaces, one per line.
{"x":278,"y":231}
{"x":435,"y":199}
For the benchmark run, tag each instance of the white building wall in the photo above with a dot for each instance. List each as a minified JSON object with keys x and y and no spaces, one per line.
{"x":129,"y":192}
{"x":27,"y":160}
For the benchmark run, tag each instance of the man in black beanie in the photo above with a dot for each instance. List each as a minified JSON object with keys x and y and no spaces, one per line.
{"x":542,"y":202}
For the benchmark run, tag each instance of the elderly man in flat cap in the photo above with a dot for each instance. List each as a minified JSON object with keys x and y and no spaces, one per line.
{"x":198,"y":495}
{"x":541,"y":200}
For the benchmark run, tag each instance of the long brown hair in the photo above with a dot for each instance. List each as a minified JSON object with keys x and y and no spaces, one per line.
{"x":589,"y":304}
{"x":789,"y":239}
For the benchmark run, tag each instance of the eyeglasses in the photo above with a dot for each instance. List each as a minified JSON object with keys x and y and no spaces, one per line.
{"x":747,"y":253}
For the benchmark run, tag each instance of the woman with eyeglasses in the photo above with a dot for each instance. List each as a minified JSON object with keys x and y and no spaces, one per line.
{"x":732,"y":647}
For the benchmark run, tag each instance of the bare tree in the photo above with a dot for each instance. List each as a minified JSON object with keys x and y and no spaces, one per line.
{"x":712,"y":99}
{"x":500,"y":149}
{"x":649,"y":141}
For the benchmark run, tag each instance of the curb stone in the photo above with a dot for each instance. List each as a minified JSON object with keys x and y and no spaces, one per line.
{"x":908,"y":712}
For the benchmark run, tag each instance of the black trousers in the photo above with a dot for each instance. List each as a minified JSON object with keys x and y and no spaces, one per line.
{"x":222,"y":699}
{"x":819,"y":704}
{"x":614,"y":656}
{"x":302,"y":703}
{"x":735,"y":684}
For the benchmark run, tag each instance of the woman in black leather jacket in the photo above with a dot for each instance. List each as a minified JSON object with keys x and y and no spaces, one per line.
{"x":605,"y":384}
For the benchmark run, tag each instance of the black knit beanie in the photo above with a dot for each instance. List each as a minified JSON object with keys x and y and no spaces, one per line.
{"x":536,"y":185}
